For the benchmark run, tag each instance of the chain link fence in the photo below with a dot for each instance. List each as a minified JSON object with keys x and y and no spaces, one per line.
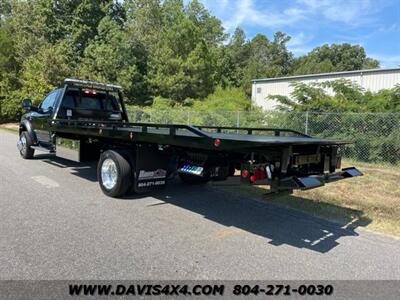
{"x":375,"y":136}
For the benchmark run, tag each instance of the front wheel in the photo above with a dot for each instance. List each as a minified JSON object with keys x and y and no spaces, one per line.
{"x":24,"y":145}
{"x":114,"y":174}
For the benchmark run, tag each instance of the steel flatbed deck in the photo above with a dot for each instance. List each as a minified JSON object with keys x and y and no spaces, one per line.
{"x":189,"y":136}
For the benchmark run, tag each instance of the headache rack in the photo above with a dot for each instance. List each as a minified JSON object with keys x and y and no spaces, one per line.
{"x":92,"y":84}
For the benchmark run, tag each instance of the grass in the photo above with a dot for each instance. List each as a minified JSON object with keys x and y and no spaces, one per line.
{"x":371,"y":201}
{"x":11,"y":127}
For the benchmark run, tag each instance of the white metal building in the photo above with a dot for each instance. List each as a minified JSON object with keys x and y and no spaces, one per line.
{"x":373,"y":80}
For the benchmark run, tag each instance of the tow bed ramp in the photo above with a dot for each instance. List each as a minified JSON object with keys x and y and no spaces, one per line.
{"x":313,"y":181}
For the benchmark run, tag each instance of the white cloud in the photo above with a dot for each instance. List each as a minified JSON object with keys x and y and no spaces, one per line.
{"x":245,"y":12}
{"x":302,"y":18}
{"x":299,"y":51}
{"x":251,"y":12}
{"x":300,"y":39}
{"x":297,"y":43}
{"x":387,"y":61}
{"x":350,"y":12}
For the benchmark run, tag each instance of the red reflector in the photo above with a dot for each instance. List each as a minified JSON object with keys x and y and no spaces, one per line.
{"x":245,"y":173}
{"x":252,"y":179}
{"x":217,"y":142}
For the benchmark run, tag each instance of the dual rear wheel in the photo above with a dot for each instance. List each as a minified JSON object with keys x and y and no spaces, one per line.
{"x":115,"y":176}
{"x":114,"y":173}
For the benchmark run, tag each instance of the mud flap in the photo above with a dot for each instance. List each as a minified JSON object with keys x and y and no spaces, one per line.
{"x":150,"y":168}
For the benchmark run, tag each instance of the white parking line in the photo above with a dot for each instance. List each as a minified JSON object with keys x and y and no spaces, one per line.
{"x":45,"y":181}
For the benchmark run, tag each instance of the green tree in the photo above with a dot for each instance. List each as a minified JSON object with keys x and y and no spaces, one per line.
{"x":334,"y":58}
{"x":267,"y":58}
{"x":9,"y":69}
{"x":232,"y":60}
{"x":44,"y":71}
{"x":210,"y":27}
{"x":182,"y":62}
{"x":113,"y":57}
{"x":156,"y":48}
{"x":242,"y":60}
{"x":144,"y":22}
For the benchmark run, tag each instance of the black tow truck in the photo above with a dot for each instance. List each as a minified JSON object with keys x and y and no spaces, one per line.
{"x":88,"y":121}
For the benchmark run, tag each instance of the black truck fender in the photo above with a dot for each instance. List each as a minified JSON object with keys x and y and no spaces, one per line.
{"x":25,"y":125}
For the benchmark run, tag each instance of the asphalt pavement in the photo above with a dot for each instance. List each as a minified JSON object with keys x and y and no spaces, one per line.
{"x":55,"y":223}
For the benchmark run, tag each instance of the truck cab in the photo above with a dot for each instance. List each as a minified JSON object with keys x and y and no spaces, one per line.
{"x":77,"y":100}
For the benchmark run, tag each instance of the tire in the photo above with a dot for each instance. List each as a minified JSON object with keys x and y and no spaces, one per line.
{"x":26,"y":142}
{"x":193,"y":179}
{"x":114,"y":174}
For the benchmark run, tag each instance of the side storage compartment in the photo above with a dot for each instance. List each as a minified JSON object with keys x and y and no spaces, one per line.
{"x":78,"y":150}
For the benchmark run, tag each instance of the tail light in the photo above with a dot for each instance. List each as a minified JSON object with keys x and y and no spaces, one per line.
{"x":90,"y":92}
{"x":252,"y":173}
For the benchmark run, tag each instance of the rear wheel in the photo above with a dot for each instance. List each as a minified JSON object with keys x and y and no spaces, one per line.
{"x":193,"y":179}
{"x":24,"y":145}
{"x":114,"y":173}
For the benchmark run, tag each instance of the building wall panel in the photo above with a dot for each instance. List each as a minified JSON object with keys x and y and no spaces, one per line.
{"x":373,"y":80}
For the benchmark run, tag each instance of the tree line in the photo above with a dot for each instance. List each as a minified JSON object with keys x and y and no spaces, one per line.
{"x":154,"y":49}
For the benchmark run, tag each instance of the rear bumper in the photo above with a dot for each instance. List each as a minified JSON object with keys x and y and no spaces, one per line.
{"x":314,"y":181}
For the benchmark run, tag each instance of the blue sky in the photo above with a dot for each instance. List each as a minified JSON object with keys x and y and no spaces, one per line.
{"x":373,"y":24}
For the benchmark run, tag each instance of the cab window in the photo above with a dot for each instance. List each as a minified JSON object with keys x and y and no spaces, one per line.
{"x":48,"y":101}
{"x":91,"y":100}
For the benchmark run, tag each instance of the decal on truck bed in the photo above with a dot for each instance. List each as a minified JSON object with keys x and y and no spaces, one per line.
{"x":151,"y":183}
{"x":145,"y":175}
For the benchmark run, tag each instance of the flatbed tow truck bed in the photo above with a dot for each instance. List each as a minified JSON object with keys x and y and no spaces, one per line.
{"x":140,"y":157}
{"x":182,"y":135}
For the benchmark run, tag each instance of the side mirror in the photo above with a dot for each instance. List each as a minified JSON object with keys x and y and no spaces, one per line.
{"x":27,"y":104}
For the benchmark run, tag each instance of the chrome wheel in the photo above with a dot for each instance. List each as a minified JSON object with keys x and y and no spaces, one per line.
{"x":109,"y":174}
{"x":22,"y":143}
{"x":114,"y":173}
